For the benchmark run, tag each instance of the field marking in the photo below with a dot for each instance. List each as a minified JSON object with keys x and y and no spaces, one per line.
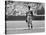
{"x":7,"y":22}
{"x":25,"y":21}
{"x":24,"y":28}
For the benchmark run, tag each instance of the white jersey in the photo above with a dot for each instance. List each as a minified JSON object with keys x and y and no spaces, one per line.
{"x":29,"y":18}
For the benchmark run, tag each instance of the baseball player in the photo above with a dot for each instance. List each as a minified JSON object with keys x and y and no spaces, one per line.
{"x":29,"y":19}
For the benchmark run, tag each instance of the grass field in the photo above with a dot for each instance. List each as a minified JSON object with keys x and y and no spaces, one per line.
{"x":19,"y":27}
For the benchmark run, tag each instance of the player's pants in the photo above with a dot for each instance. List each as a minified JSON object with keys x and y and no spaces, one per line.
{"x":30,"y":25}
{"x":29,"y":21}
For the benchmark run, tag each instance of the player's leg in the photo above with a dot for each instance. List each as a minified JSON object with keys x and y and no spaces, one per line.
{"x":31,"y":26}
{"x":28,"y":25}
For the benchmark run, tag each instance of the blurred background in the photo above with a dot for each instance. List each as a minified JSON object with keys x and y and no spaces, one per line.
{"x":15,"y":16}
{"x":17,"y":10}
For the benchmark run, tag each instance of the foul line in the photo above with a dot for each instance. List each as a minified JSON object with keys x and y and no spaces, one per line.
{"x":23,"y":28}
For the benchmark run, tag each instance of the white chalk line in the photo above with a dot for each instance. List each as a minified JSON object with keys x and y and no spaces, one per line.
{"x":24,"y":28}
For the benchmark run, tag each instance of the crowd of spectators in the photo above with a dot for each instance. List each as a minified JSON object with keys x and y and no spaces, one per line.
{"x":21,"y":8}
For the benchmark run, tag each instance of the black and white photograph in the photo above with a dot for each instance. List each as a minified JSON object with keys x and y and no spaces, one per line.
{"x":24,"y":17}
